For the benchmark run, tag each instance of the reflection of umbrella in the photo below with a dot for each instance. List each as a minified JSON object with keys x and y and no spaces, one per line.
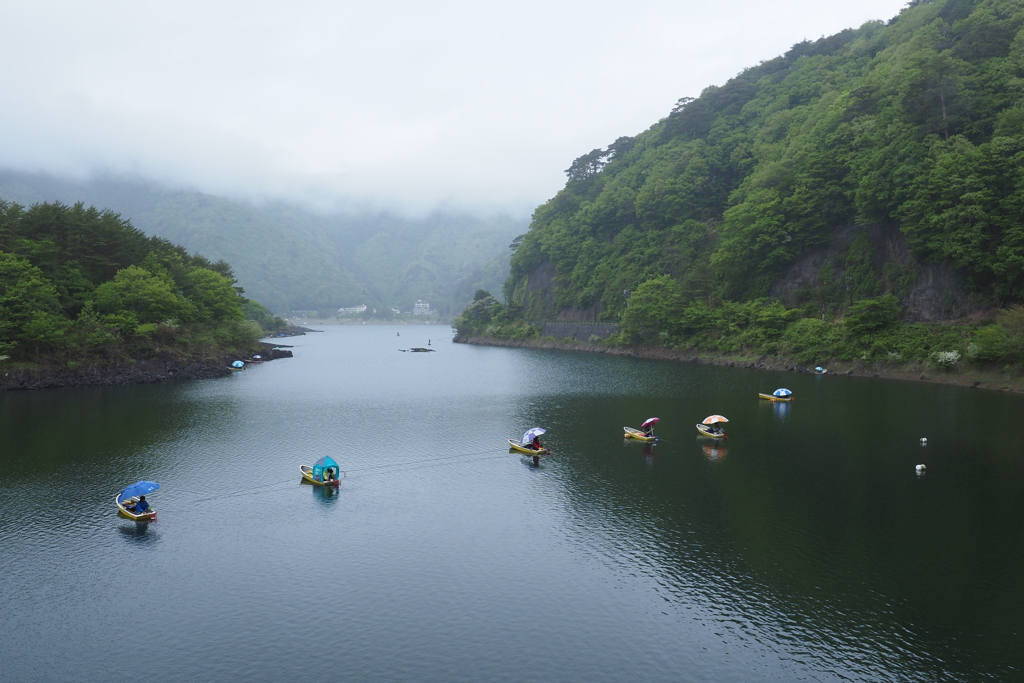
{"x":781,"y":392}
{"x":650,"y":421}
{"x":238,"y":364}
{"x":528,"y":436}
{"x":139,"y":488}
{"x":712,"y":419}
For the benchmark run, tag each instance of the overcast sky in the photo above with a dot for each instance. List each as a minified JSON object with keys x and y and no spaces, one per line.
{"x":396,"y":103}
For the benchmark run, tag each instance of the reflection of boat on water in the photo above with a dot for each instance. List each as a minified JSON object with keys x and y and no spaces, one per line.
{"x":714,"y":451}
{"x":324,"y":472}
{"x":326,"y":494}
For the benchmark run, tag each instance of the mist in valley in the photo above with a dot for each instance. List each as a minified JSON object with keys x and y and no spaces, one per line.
{"x":347,"y":154}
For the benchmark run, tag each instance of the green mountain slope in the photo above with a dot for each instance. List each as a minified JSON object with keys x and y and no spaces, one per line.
{"x":292,"y":259}
{"x":282,"y":269}
{"x":882,"y":159}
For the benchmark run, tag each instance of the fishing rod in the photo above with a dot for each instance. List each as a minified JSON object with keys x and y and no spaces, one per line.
{"x":373,"y":469}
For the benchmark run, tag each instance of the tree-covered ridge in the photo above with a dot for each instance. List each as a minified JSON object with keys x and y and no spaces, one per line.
{"x":915,"y":126}
{"x":77,"y":281}
{"x":293,"y":259}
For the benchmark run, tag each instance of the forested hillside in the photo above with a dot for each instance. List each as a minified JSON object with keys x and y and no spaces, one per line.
{"x":78,"y":284}
{"x":817,"y":204}
{"x":293,"y":259}
{"x":885,"y":148}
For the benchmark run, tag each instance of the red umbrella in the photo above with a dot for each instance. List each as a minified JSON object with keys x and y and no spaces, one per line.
{"x":650,"y":421}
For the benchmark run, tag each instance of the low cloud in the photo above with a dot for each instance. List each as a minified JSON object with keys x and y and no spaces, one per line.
{"x":391,"y":103}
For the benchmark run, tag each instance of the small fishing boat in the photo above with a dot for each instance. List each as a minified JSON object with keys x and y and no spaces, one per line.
{"x":324,"y":472}
{"x":638,"y":435}
{"x":520,"y":448}
{"x":778,"y":395}
{"x":709,"y":427}
{"x":820,"y":370}
{"x":236,"y":366}
{"x":706,"y":430}
{"x":641,"y":434}
{"x":130,"y":497}
{"x":525,"y":445}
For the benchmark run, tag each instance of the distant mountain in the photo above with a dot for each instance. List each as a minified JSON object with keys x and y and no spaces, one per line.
{"x":291,"y":259}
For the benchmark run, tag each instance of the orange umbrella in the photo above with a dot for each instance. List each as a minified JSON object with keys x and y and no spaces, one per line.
{"x":712,"y":419}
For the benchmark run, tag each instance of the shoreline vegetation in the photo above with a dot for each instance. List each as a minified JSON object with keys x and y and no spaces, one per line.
{"x":959,"y":375}
{"x":855,"y":204}
{"x":87,"y":299}
{"x":869,"y":340}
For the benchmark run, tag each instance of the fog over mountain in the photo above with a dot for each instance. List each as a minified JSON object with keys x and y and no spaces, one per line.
{"x":363,"y":105}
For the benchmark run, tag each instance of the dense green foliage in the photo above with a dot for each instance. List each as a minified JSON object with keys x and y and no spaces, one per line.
{"x":486,"y":316}
{"x":914,"y":126}
{"x":77,"y":281}
{"x":292,"y":259}
{"x":869,"y":153}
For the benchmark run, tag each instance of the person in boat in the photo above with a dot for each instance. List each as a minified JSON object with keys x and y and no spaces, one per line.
{"x":649,"y":430}
{"x":536,"y":445}
{"x":329,"y":474}
{"x":716,"y":429}
{"x":141,"y":507}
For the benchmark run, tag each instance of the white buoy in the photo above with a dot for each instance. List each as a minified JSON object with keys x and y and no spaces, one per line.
{"x":923,"y":441}
{"x":920,"y":468}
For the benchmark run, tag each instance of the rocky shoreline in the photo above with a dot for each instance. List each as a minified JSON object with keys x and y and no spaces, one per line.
{"x":971,"y":378}
{"x":143,"y":371}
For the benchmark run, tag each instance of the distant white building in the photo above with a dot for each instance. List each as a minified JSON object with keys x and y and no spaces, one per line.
{"x":352,"y":310}
{"x":421,"y":308}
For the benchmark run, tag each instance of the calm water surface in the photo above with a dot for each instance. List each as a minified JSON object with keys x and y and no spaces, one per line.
{"x":803,"y":548}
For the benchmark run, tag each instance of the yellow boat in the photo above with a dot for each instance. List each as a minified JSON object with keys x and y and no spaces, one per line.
{"x":638,"y":435}
{"x":123,"y":509}
{"x":770,"y":397}
{"x":705,"y":430}
{"x":517,"y":446}
{"x":307,"y":474}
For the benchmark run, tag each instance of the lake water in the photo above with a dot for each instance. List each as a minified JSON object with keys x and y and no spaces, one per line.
{"x":805,"y":547}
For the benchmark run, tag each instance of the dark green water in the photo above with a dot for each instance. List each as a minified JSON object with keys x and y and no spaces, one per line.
{"x":803,"y":548}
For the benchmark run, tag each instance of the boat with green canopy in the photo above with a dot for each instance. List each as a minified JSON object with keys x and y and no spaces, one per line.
{"x":324,"y":472}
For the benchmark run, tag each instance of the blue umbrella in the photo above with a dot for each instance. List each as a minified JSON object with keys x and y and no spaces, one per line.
{"x":139,"y":488}
{"x":528,"y":436}
{"x":238,"y":364}
{"x":781,"y":392}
